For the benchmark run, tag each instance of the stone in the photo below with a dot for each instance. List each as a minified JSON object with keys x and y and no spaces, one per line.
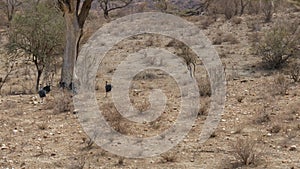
{"x":293,"y":148}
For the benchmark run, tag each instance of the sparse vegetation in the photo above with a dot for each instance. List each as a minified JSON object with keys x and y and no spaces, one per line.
{"x":260,"y":103}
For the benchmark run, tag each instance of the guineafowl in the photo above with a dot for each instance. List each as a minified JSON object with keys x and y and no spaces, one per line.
{"x":47,"y":88}
{"x":108,"y":88}
{"x":42,"y":94}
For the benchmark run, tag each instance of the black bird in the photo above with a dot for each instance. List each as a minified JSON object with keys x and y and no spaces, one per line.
{"x":47,"y":88}
{"x":42,"y":94}
{"x":108,"y":88}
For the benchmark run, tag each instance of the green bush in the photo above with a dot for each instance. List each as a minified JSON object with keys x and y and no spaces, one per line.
{"x":278,"y":45}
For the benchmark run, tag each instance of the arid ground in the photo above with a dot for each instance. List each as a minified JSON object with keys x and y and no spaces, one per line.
{"x":261,"y":118}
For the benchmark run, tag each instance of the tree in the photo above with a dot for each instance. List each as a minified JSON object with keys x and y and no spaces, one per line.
{"x":10,"y":8}
{"x":75,"y":13}
{"x":110,"y":5}
{"x":37,"y":34}
{"x":75,"y":16}
{"x":10,"y":61}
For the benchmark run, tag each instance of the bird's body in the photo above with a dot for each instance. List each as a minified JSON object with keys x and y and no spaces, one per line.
{"x":108,"y":88}
{"x":43,"y":91}
{"x":47,"y":88}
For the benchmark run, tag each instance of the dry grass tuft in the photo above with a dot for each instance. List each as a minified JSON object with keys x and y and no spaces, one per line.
{"x":280,"y":85}
{"x":169,"y":157}
{"x":245,"y":151}
{"x":63,"y":102}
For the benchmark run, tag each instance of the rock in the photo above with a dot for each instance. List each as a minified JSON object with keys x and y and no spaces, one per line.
{"x":4,"y":147}
{"x":269,"y":134}
{"x":293,"y":148}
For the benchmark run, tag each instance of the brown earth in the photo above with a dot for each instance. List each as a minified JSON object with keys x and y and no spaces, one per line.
{"x":49,"y":135}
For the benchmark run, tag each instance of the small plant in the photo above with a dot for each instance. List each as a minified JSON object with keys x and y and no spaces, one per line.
{"x":280,"y":85}
{"x":43,"y":126}
{"x":204,"y":108}
{"x":169,"y":157}
{"x":245,"y":150}
{"x":236,"y":20}
{"x":240,"y":98}
{"x":63,"y":102}
{"x":190,"y":61}
{"x":263,"y":116}
{"x":268,"y":8}
{"x":204,"y":87}
{"x":294,"y":72}
{"x":121,"y":161}
{"x":275,"y":129}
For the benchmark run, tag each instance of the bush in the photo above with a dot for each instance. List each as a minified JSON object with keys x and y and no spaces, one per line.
{"x":278,"y":45}
{"x":245,"y":150}
{"x":294,"y":72}
{"x":280,"y":85}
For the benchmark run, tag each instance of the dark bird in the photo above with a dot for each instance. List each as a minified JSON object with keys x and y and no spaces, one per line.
{"x":43,"y":91}
{"x":42,"y":94}
{"x":108,"y":88}
{"x":47,"y":88}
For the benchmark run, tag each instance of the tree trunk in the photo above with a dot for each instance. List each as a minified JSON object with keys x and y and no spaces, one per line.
{"x":73,"y":35}
{"x":38,"y":79}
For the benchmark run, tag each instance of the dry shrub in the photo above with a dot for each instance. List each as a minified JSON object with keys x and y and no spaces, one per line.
{"x":262,"y":116}
{"x":275,"y":128}
{"x":253,"y":7}
{"x":115,"y":119}
{"x":63,"y":102}
{"x":220,"y":38}
{"x":254,"y":26}
{"x":229,"y":37}
{"x":169,"y":157}
{"x":206,"y":22}
{"x":280,"y":85}
{"x":236,"y":20}
{"x":204,"y":87}
{"x":278,"y":44}
{"x":294,"y":72}
{"x":245,"y":150}
{"x":268,"y":8}
{"x":145,"y":75}
{"x":294,"y":108}
{"x":240,"y":98}
{"x":217,"y":40}
{"x":8,"y":104}
{"x":43,"y":126}
{"x":204,"y":108}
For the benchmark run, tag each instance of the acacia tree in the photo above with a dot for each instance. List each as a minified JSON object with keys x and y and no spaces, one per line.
{"x":37,"y":34}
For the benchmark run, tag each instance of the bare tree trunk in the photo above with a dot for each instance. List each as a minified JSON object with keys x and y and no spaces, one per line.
{"x":38,"y":79}
{"x":73,"y":36}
